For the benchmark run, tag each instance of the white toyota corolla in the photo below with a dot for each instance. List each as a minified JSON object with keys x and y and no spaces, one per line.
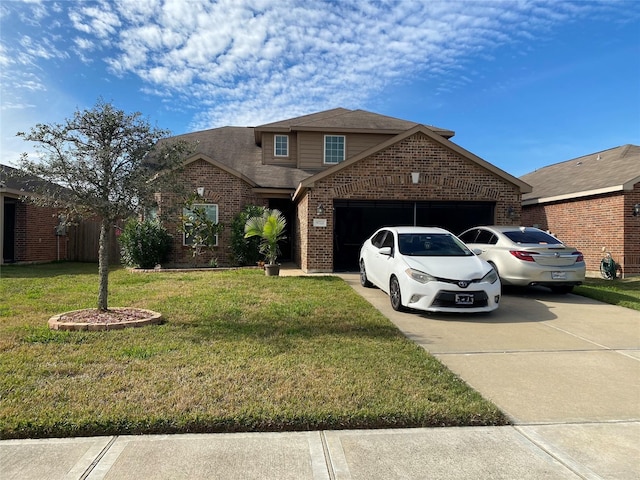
{"x":430,"y":269}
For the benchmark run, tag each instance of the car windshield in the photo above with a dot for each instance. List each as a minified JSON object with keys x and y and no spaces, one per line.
{"x":431,"y":245}
{"x":532,"y":236}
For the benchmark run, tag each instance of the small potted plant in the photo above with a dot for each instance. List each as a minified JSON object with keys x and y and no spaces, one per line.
{"x":270,"y":227}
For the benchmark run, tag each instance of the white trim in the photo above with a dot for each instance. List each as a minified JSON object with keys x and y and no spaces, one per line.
{"x":570,"y":196}
{"x":275,"y":153}
{"x":344,"y":149}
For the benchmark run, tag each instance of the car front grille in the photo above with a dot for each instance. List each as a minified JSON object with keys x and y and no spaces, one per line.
{"x":448,"y":299}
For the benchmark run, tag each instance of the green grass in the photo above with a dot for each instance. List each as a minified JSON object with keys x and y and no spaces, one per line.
{"x":238,"y":352}
{"x":622,"y":292}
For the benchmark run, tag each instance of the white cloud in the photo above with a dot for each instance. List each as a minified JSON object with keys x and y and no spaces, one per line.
{"x":253,"y":61}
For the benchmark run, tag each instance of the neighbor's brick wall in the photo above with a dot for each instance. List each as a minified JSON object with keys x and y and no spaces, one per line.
{"x":35,"y":238}
{"x":631,"y":233}
{"x":445,"y":176}
{"x":228,"y":191}
{"x":591,"y":223}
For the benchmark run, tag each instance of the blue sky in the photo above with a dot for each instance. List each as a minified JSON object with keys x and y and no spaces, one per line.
{"x":523,"y":83}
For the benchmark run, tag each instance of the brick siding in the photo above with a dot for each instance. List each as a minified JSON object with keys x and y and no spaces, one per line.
{"x":445,"y":176}
{"x":228,"y":191}
{"x":591,"y":223}
{"x":35,"y":238}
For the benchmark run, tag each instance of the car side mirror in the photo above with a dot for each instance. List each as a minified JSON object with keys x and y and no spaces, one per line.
{"x":477,"y":251}
{"x":385,"y":251}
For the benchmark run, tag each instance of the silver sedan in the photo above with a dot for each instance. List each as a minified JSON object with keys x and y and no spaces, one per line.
{"x":527,"y":256}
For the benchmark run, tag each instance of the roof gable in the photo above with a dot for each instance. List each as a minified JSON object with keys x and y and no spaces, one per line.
{"x":233,"y":149}
{"x":308,"y":182}
{"x":341,"y":120}
{"x":612,"y":170}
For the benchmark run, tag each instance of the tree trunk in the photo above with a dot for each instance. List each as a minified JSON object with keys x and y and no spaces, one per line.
{"x":103,"y":264}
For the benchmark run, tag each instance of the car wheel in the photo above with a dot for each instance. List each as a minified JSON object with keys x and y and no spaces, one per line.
{"x":395,"y":296}
{"x":364,"y":281}
{"x":562,"y":289}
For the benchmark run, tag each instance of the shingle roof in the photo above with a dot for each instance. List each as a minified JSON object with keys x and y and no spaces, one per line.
{"x":235,"y":147}
{"x":341,"y":119}
{"x":611,"y":170}
{"x":18,"y":182}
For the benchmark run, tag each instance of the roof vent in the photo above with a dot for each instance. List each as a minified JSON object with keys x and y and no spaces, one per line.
{"x":578,"y":164}
{"x":598,"y":157}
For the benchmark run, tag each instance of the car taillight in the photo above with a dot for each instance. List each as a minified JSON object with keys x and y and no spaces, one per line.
{"x":524,"y":256}
{"x":579,"y":256}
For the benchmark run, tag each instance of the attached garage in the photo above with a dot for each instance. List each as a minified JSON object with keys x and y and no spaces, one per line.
{"x":415,"y":178}
{"x":355,"y":220}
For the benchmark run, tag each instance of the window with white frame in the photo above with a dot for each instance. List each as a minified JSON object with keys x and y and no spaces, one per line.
{"x":281,"y":146}
{"x":334,"y":148}
{"x":190,"y":221}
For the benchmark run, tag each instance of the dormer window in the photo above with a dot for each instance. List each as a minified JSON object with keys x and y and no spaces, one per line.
{"x":334,"y":148}
{"x":281,"y":146}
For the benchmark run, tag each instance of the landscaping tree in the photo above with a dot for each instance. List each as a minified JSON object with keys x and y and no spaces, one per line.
{"x":200,"y":230}
{"x":108,"y":164}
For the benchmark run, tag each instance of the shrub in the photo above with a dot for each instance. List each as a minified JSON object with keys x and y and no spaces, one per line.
{"x":245,"y":251}
{"x":144,"y":244}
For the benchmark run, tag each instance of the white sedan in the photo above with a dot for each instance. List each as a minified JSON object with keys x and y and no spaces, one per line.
{"x":428,"y":269}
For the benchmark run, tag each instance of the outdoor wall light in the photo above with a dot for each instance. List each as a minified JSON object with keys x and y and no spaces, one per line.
{"x":415,"y":177}
{"x":320,"y":209}
{"x":201,"y":191}
{"x":636,"y":209}
{"x":511,"y":212}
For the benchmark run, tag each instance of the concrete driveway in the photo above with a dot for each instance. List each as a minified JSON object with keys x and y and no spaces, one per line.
{"x":564,"y":368}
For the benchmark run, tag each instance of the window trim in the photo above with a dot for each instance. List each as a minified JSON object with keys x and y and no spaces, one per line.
{"x":185,"y":210}
{"x":344,"y":149}
{"x":275,"y":146}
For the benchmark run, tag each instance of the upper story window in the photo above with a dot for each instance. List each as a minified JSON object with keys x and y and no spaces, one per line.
{"x":334,"y":148}
{"x":281,"y":146}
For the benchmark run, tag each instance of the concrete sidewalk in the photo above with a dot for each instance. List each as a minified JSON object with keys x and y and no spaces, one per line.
{"x":565,"y":369}
{"x":447,"y":453}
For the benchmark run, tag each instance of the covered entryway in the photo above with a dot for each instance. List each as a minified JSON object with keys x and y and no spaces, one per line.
{"x":356,"y":220}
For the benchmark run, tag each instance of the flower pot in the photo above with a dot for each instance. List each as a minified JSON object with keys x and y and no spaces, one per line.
{"x":272,"y":270}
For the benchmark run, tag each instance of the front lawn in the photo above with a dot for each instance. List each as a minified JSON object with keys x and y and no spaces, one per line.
{"x":238,"y":352}
{"x":623,"y":292}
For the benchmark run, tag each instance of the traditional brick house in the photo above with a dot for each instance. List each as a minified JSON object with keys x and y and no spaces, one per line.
{"x":589,"y":202}
{"x":340,"y":174}
{"x":28,"y":233}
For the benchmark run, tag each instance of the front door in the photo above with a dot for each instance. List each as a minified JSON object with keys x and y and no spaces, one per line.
{"x":9,"y":229}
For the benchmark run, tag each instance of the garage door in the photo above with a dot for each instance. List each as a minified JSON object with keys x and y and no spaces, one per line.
{"x":356,"y":220}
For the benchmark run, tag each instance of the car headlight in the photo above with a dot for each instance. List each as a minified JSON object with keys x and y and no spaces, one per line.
{"x":419,"y":276}
{"x":491,"y":277}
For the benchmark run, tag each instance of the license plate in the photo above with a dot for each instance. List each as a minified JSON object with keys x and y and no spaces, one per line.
{"x":558,"y":275}
{"x":464,"y":299}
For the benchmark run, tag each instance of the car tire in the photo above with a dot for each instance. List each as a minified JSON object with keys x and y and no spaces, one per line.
{"x":364,"y":281}
{"x":395,"y":296}
{"x":563,"y":289}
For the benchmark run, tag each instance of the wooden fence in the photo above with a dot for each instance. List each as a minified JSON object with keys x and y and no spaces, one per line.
{"x":84,"y":241}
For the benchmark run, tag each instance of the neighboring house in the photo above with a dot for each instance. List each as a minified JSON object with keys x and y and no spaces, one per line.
{"x":28,"y":233}
{"x":33,"y":234}
{"x":589,"y":202}
{"x":340,"y":174}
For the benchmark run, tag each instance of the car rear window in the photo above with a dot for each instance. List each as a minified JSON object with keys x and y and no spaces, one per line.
{"x":531,"y":236}
{"x":431,"y":245}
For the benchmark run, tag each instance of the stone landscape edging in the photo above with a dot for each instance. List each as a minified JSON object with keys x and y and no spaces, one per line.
{"x":154,"y":318}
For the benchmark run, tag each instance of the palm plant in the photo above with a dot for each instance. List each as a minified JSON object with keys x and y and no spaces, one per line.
{"x":270,"y":227}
